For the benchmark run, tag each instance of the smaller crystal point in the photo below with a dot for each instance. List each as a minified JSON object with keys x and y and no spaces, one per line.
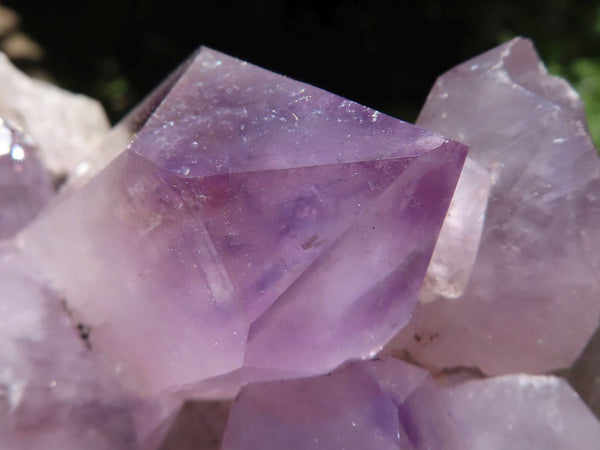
{"x":457,"y":246}
{"x":25,"y":185}
{"x":532,"y":299}
{"x":391,"y":404}
{"x":521,"y":412}
{"x":345,"y":409}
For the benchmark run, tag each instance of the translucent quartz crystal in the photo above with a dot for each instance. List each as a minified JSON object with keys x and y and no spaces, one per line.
{"x":25,"y":185}
{"x":533,"y":295}
{"x":521,"y":412}
{"x":457,"y":246}
{"x":253,"y":223}
{"x":56,"y":393}
{"x":376,"y":405}
{"x":66,"y":127}
{"x":389,"y":404}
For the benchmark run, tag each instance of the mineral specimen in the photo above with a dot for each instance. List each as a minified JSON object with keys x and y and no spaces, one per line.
{"x":25,"y":185}
{"x":243,"y":230}
{"x":249,"y":201}
{"x":533,"y":295}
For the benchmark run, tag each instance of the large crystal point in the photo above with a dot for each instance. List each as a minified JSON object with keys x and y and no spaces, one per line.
{"x":533,"y":295}
{"x":249,"y":200}
{"x":25,"y":185}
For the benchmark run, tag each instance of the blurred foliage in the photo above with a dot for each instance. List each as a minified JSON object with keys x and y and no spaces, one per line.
{"x":383,"y":53}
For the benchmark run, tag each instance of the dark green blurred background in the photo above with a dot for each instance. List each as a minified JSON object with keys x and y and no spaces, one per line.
{"x":382,"y":53}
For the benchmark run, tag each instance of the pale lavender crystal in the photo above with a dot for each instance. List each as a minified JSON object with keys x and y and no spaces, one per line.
{"x":371,"y":405}
{"x":393,"y":405}
{"x":533,"y":296}
{"x":25,"y":185}
{"x":249,"y":201}
{"x":56,"y":392}
{"x":521,"y":412}
{"x":66,"y":126}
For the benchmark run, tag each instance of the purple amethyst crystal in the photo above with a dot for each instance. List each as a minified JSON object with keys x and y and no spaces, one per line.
{"x":389,"y":404}
{"x":249,"y":201}
{"x":243,"y":230}
{"x":533,"y":295}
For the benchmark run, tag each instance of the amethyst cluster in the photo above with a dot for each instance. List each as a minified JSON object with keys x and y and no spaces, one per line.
{"x":300,"y":271}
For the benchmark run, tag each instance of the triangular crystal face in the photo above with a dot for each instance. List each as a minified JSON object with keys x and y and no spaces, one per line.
{"x":227,"y":116}
{"x":246,"y":193}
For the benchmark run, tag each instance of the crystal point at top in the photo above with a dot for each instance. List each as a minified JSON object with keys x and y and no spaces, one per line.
{"x":253,"y":221}
{"x":229,"y":116}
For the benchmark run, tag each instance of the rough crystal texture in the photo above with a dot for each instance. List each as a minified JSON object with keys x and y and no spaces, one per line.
{"x":521,"y":412}
{"x":246,"y":192}
{"x":25,"y":185}
{"x":533,"y":295}
{"x":66,"y":127}
{"x":55,"y":392}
